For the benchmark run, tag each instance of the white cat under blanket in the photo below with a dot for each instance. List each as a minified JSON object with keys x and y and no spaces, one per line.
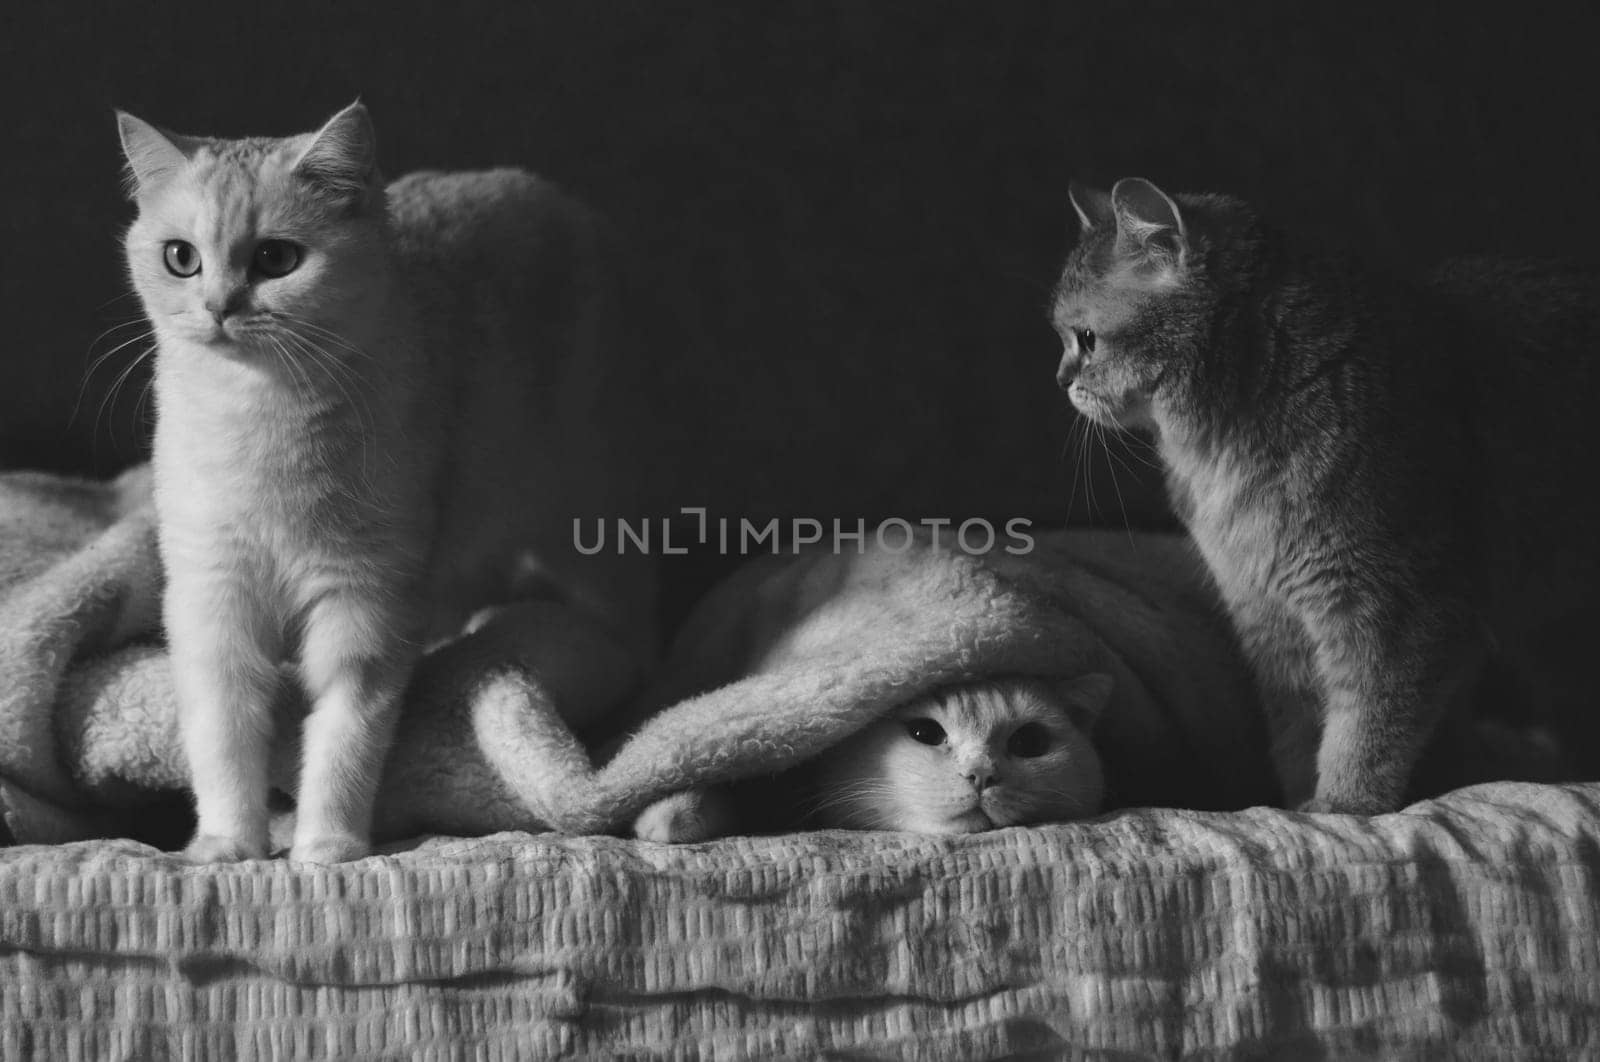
{"x":797,"y":654}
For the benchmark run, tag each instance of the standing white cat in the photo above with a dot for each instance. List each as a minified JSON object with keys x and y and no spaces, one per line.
{"x":377,"y":409}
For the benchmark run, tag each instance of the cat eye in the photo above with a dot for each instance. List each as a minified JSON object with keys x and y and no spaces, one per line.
{"x":181,"y":258}
{"x":1085,"y":337}
{"x":275,"y":258}
{"x":926,"y":731}
{"x":1029,"y":740}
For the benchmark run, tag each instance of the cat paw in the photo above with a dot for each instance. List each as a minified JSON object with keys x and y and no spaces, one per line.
{"x":333,"y":848}
{"x":218,"y":848}
{"x":683,"y":818}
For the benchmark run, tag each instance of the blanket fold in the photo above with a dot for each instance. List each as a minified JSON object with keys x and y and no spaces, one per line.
{"x":789,"y":656}
{"x":817,"y":647}
{"x":78,"y":575}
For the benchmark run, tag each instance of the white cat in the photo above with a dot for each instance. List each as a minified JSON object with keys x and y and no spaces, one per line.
{"x":377,"y":408}
{"x":972,"y":757}
{"x":1002,"y":752}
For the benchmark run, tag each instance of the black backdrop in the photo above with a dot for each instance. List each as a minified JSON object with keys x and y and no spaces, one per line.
{"x":846,"y":214}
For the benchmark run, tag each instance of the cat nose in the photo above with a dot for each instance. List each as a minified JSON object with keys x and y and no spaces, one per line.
{"x":980,"y":775}
{"x":222,"y":304}
{"x":1068,"y":371}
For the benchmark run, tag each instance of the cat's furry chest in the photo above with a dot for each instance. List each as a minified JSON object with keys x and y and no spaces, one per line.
{"x":244,"y":439}
{"x":251,"y":485}
{"x":1236,"y":516}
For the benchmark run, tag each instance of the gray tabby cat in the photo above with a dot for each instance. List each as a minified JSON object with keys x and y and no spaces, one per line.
{"x":1375,"y":471}
{"x":379,"y":409}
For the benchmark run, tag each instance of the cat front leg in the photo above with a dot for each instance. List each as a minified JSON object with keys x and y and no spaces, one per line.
{"x":1281,"y":655}
{"x":1387,"y":687}
{"x":355,"y":659}
{"x":224,"y":656}
{"x":688,"y":817}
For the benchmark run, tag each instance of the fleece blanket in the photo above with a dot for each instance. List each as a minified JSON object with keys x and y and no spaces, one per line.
{"x":785,"y":659}
{"x":791,"y":655}
{"x":1464,"y":927}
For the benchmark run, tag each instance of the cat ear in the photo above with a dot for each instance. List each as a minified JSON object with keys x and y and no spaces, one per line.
{"x":153,"y":155}
{"x":1149,"y":224}
{"x":343,"y":154}
{"x":1092,"y":205}
{"x":1087,"y":697}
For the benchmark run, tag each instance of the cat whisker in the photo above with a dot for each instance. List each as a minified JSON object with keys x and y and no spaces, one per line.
{"x":339,"y":375}
{"x":1106,"y":435}
{"x":1120,"y":461}
{"x":301,"y":378}
{"x":94,"y":366}
{"x":298,"y":377}
{"x":117,"y":326}
{"x":292,"y":322}
{"x":356,"y":390}
{"x":1075,"y":437}
{"x":1078,"y":804}
{"x":1086,"y":460}
{"x":299,"y":374}
{"x":1137,"y":449}
{"x":1066,"y":445}
{"x":311,"y":345}
{"x":1111,"y":468}
{"x":848,"y":796}
{"x":109,"y":401}
{"x":141,"y":404}
{"x":129,"y":294}
{"x":281,"y":356}
{"x":852,"y":790}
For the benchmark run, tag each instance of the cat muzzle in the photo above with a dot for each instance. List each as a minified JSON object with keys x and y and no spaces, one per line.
{"x":223,"y":304}
{"x":1067,"y":372}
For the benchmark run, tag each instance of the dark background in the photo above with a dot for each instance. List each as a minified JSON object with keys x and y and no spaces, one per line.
{"x":846,"y":216}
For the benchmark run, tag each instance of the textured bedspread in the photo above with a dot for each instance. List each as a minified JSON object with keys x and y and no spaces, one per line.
{"x":1465,"y":927}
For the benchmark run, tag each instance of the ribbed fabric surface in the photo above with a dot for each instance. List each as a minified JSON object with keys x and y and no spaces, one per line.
{"x":1466,"y":927}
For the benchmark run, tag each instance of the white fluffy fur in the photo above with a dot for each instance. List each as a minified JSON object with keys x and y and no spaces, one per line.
{"x":883,"y":778}
{"x":352,"y":457}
